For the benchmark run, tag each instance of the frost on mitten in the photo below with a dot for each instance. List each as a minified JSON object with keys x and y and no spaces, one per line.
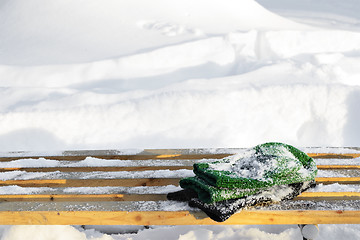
{"x":245,"y":174}
{"x":267,"y":173}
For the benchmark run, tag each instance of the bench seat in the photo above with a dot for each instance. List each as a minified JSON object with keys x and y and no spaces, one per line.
{"x":122,"y":188}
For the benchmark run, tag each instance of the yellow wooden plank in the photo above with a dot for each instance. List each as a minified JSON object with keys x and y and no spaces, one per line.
{"x":125,"y":157}
{"x":327,"y":196}
{"x":35,"y":182}
{"x":81,"y":197}
{"x":93,"y":182}
{"x":140,"y":168}
{"x":175,"y":218}
{"x":340,"y":180}
{"x":329,"y":167}
{"x":10,"y":169}
{"x":167,"y":154}
{"x":135,"y":182}
{"x":334,"y":155}
{"x":95,"y":169}
{"x":154,"y":197}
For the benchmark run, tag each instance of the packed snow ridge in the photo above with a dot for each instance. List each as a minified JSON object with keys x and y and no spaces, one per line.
{"x":188,"y":74}
{"x":135,"y":74}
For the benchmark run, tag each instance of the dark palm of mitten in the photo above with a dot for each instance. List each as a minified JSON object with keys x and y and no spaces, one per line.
{"x":221,"y":211}
{"x":182,"y":195}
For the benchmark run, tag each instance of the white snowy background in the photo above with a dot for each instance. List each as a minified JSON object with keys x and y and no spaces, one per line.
{"x":122,"y":74}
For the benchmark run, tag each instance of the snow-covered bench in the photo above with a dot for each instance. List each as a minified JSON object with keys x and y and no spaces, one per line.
{"x":129,"y":188}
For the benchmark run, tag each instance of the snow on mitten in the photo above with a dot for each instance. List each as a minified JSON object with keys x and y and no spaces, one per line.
{"x":245,"y":174}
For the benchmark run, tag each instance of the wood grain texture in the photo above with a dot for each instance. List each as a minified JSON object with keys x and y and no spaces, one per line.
{"x":97,"y":169}
{"x":81,"y":197}
{"x":89,"y":217}
{"x":340,"y":180}
{"x":140,"y":168}
{"x":309,"y":196}
{"x":166,"y":154}
{"x":331,"y":167}
{"x":334,"y":155}
{"x":135,"y":182}
{"x":328,"y":196}
{"x":124,"y":157}
{"x":174,"y":218}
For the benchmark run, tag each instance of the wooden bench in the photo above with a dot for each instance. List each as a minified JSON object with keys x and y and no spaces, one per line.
{"x":121,"y":188}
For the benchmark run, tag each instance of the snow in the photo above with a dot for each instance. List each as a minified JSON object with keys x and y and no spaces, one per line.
{"x":141,"y":90}
{"x":284,"y":232}
{"x":23,"y":175}
{"x":248,"y":165}
{"x":134,"y":75}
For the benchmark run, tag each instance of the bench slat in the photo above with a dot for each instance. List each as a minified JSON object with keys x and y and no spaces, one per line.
{"x":82,"y":197}
{"x":93,"y":182}
{"x":334,"y":155}
{"x":136,"y":182}
{"x":124,"y":157}
{"x":340,"y":180}
{"x":139,"y":168}
{"x":86,"y":206}
{"x":175,"y":218}
{"x":309,"y":196}
{"x":330,"y":167}
{"x":97,"y":169}
{"x":328,"y":196}
{"x":165,"y":155}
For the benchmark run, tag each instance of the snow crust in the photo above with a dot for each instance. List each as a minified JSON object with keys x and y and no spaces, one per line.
{"x":50,"y":40}
{"x":262,"y":232}
{"x":214,"y":76}
{"x":23,"y":175}
{"x":248,"y":165}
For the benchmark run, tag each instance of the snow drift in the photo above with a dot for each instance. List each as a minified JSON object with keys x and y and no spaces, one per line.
{"x":177,"y":74}
{"x":188,"y":74}
{"x":61,"y":32}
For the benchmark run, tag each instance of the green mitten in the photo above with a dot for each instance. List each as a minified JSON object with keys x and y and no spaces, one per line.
{"x":247,"y":173}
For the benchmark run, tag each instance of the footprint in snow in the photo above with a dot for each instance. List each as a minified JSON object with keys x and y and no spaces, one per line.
{"x":169,"y":29}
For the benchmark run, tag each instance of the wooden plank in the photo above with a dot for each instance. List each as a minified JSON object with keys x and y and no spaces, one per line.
{"x":166,"y":155}
{"x":334,"y":155}
{"x":135,"y":182}
{"x":175,"y":218}
{"x":330,"y":167}
{"x":35,"y":182}
{"x":327,"y":196}
{"x":92,"y":182}
{"x":123,"y":157}
{"x":140,"y":168}
{"x":81,"y":197}
{"x":97,"y":169}
{"x":340,"y":180}
{"x":309,"y":196}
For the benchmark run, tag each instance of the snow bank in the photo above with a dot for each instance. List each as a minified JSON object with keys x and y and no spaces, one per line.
{"x":176,"y":74}
{"x":235,"y":81}
{"x":226,"y":114}
{"x":251,"y":232}
{"x":65,"y":31}
{"x":328,"y":14}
